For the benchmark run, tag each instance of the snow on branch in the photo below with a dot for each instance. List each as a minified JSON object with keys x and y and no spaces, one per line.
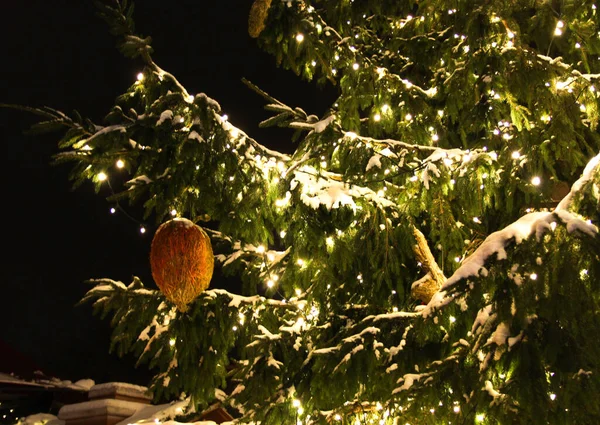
{"x":536,"y":223}
{"x":592,"y":167}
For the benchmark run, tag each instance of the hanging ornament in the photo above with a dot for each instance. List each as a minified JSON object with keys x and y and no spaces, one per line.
{"x":181,"y":260}
{"x":258,"y":16}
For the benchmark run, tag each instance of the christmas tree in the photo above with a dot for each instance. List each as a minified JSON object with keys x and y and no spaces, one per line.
{"x":428,"y":253}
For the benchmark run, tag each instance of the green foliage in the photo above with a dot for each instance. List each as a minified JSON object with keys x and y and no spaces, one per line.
{"x":457,"y":119}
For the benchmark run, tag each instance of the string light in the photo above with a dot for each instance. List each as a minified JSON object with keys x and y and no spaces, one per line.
{"x":142,"y":230}
{"x":355,"y":66}
{"x":558,"y":29}
{"x":536,"y":181}
{"x":113,"y":210}
{"x":299,"y":37}
{"x":120,"y":163}
{"x":140,"y":76}
{"x":101,"y":176}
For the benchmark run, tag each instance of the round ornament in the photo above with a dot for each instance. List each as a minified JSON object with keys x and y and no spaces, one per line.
{"x":258,"y":16}
{"x":181,"y":260}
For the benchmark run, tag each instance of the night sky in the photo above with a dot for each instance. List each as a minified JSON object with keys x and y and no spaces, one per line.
{"x":60,"y":54}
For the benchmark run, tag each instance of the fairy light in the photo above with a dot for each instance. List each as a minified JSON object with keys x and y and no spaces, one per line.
{"x":270,"y":283}
{"x":329,"y":241}
{"x":101,"y":176}
{"x":377,"y":117}
{"x":559,"y":27}
{"x":113,"y":210}
{"x":533,"y":276}
{"x":408,"y":117}
{"x":142,"y":230}
{"x":456,"y":409}
{"x":337,"y":417}
{"x":282,"y":234}
{"x":172,"y":342}
{"x":120,"y":163}
{"x":300,"y":262}
{"x":260,"y":249}
{"x":480,"y":417}
{"x":299,"y":37}
{"x":355,"y":66}
{"x":140,"y":76}
{"x":516,"y":155}
{"x":577,"y":45}
{"x":536,"y":181}
{"x":552,"y":397}
{"x":235,"y":328}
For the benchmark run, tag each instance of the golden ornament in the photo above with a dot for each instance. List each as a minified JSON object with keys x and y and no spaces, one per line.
{"x":258,"y":16}
{"x":181,"y":260}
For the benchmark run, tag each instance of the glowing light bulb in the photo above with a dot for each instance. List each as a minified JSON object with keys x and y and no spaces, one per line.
{"x":260,"y":249}
{"x":408,"y":117}
{"x":140,"y":76}
{"x":101,"y":176}
{"x":142,"y":230}
{"x":172,"y":342}
{"x":282,"y":234}
{"x":456,"y":409}
{"x":120,"y":163}
{"x":299,"y":37}
{"x":377,"y":117}
{"x":173,"y":212}
{"x":536,"y":181}
{"x":355,"y":66}
{"x":234,"y":328}
{"x":270,"y":283}
{"x":296,"y":403}
{"x":300,"y":262}
{"x":480,"y":417}
{"x":533,"y":276}
{"x":552,"y":397}
{"x":112,"y":210}
{"x":516,"y":155}
{"x":435,"y":137}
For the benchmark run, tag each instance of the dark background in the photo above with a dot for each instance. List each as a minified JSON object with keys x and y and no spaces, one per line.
{"x":59,"y":53}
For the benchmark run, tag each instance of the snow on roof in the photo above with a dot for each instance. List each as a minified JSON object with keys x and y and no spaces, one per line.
{"x":81,"y":385}
{"x":121,"y":388}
